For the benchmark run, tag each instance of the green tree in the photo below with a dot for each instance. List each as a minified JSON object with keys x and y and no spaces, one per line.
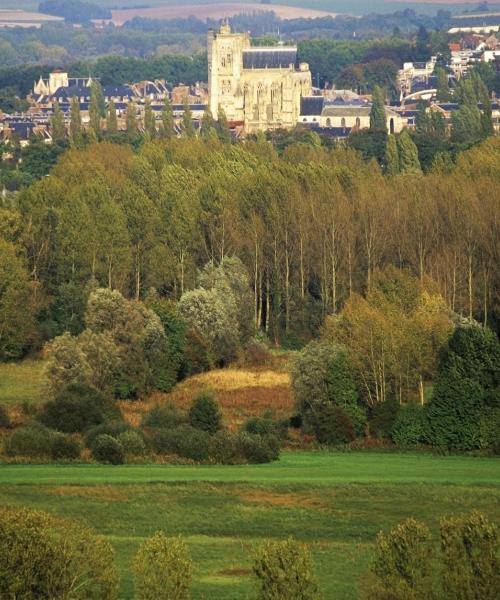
{"x":467,"y":390}
{"x":111,"y":119}
{"x":443,"y":93}
{"x":391,"y":156}
{"x":205,"y":413}
{"x":149,"y":119}
{"x":43,"y":556}
{"x":207,"y":129}
{"x":167,"y":120}
{"x":378,"y":118}
{"x":97,"y":108}
{"x":66,"y":363}
{"x":75,"y":126}
{"x":408,"y":154}
{"x":188,"y":130}
{"x":16,"y":304}
{"x":285,"y":571}
{"x":223,"y":130}
{"x":162,"y":569}
{"x":131,"y":119}
{"x":58,"y":124}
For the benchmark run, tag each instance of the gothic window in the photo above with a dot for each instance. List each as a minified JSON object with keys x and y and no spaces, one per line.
{"x":342,"y":122}
{"x":358,"y":122}
{"x":229,"y":59}
{"x":329,"y":122}
{"x":223,"y":61}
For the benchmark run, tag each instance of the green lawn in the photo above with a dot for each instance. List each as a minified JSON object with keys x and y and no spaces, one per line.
{"x":336,"y":502}
{"x":21,"y":382}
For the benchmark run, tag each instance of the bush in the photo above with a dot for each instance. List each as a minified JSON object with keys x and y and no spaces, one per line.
{"x":162,"y":569}
{"x":257,"y":354}
{"x":75,"y":409}
{"x":32,"y":442}
{"x":257,"y":448}
{"x":132,"y":443}
{"x":408,"y":428}
{"x":196,"y":355}
{"x":222,"y":448}
{"x":4,"y":418}
{"x":112,"y":428}
{"x":383,"y":418}
{"x":65,"y":447}
{"x":166,"y":416}
{"x":285,"y":570}
{"x":205,"y":414}
{"x":106,"y":449}
{"x":358,"y":418}
{"x":185,"y":441}
{"x":262,"y":426}
{"x":332,"y":425}
{"x":43,"y":556}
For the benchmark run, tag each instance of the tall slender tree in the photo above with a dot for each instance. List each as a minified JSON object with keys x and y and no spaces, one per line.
{"x":97,"y":108}
{"x":187,"y":121}
{"x":58,"y":124}
{"x":223,"y":126}
{"x":408,"y":154}
{"x":149,"y":119}
{"x":75,"y":125}
{"x":111,"y":119}
{"x":131,"y":119}
{"x":378,"y":119}
{"x":167,"y":130}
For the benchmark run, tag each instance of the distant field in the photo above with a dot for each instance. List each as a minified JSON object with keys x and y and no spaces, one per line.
{"x":214,"y":11}
{"x":335,"y":502}
{"x":21,"y":382}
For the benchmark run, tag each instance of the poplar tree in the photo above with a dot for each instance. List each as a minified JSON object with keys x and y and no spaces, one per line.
{"x":97,"y":108}
{"x":223,"y":126}
{"x":187,"y":121}
{"x":75,"y":125}
{"x":378,"y":120}
{"x":408,"y":154}
{"x":207,"y":125}
{"x":131,"y":119}
{"x":149,"y":119}
{"x":443,"y":93}
{"x":112,"y":119}
{"x":58,"y":124}
{"x":391,"y":156}
{"x":167,"y":120}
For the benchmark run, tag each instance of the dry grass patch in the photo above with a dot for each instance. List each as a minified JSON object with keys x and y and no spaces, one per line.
{"x":99,"y":492}
{"x":242,"y":393}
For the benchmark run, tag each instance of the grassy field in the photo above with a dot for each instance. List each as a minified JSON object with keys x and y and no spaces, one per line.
{"x":21,"y":382}
{"x":336,"y":502}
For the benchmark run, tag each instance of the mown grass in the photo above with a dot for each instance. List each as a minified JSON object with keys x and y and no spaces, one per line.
{"x":21,"y":382}
{"x":335,"y":502}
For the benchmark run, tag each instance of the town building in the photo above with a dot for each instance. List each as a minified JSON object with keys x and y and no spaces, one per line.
{"x":259,"y":88}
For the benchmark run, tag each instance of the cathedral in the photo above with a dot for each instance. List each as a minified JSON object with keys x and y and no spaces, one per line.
{"x":258,"y":88}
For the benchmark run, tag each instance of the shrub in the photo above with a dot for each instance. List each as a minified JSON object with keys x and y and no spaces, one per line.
{"x":162,"y":569}
{"x":257,"y":448}
{"x":4,"y":418}
{"x":382,"y":418}
{"x":471,"y":560}
{"x":222,"y":448}
{"x":65,"y":447}
{"x":132,"y":443}
{"x":107,"y":449}
{"x":32,"y":442}
{"x":285,"y":570}
{"x":112,"y":428}
{"x":332,"y":425}
{"x":358,"y":418}
{"x":408,"y":428}
{"x":205,"y":414}
{"x":185,"y":441}
{"x":196,"y":355}
{"x":43,"y":556}
{"x":166,"y":416}
{"x":262,"y":426}
{"x":257,"y":354}
{"x":76,"y":408}
{"x":402,"y":568}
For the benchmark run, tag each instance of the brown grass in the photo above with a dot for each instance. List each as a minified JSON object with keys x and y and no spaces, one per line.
{"x":214,"y":11}
{"x":242,"y":393}
{"x":281,"y":499}
{"x":101,"y":492}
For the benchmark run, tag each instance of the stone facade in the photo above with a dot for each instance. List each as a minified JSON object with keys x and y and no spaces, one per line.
{"x":258,"y":88}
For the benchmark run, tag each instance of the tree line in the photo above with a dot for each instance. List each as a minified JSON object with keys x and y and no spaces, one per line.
{"x":311,"y":226}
